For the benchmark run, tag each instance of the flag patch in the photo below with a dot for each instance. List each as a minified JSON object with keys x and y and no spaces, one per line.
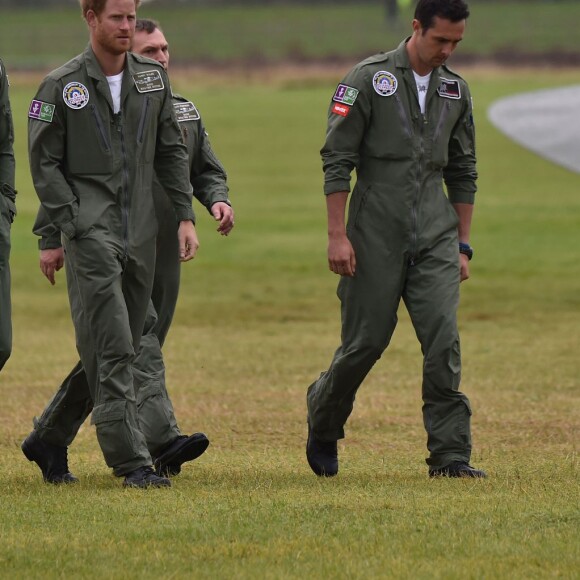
{"x":341,"y":110}
{"x":345,"y":95}
{"x":41,"y":111}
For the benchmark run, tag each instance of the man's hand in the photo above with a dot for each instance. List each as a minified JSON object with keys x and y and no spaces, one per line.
{"x":51,"y":261}
{"x":341,"y":258}
{"x":465,"y":214}
{"x":224,"y":214}
{"x":188,"y":243}
{"x":464,"y":267}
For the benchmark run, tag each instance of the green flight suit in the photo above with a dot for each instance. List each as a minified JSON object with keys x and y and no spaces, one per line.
{"x":7,"y":213}
{"x":93,"y":173}
{"x":68,"y":409}
{"x":403,"y":229}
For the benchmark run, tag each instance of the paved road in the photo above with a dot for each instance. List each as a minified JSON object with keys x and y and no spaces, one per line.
{"x":547,"y":122}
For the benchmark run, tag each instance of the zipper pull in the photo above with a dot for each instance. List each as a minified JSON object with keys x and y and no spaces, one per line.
{"x":117,"y":122}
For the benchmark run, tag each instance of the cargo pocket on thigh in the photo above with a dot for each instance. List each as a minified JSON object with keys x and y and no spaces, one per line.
{"x":114,"y":433}
{"x":7,"y":206}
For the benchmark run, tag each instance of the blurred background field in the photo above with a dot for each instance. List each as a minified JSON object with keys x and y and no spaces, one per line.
{"x":218,"y":33}
{"x":258,"y":320}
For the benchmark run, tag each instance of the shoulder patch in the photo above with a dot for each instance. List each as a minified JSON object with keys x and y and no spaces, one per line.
{"x":41,"y":111}
{"x":345,"y":94}
{"x":186,"y":111}
{"x":148,"y":81}
{"x":385,"y":83}
{"x":449,"y":88}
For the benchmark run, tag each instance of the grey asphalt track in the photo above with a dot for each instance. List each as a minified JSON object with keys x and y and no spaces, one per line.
{"x":547,"y":122}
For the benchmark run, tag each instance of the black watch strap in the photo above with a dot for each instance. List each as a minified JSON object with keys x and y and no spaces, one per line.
{"x":466,"y":249}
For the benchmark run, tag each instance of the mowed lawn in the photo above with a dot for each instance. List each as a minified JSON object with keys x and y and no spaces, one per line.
{"x":257,"y":321}
{"x":273,"y":32}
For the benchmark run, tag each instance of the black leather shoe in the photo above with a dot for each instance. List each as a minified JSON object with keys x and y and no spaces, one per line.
{"x":145,"y":477}
{"x":322,"y":455}
{"x":457,"y":469}
{"x":52,"y":459}
{"x":184,"y":448}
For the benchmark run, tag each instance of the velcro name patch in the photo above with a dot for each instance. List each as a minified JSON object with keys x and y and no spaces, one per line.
{"x":186,"y":112}
{"x":449,"y":89}
{"x":148,"y":81}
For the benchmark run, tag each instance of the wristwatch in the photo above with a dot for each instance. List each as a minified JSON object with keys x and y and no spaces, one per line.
{"x":466,"y":249}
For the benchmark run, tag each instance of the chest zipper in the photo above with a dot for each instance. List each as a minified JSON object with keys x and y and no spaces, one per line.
{"x":101,"y":128}
{"x":125,"y":187}
{"x":422,"y":122}
{"x":407,"y":126}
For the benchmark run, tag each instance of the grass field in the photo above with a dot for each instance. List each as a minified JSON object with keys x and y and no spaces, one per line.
{"x":257,"y":321}
{"x":204,"y":36}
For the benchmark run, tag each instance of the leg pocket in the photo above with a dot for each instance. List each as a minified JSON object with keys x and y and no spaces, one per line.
{"x":114,"y":433}
{"x":156,"y":416}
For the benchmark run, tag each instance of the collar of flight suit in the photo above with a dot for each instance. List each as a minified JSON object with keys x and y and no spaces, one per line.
{"x":402,"y":62}
{"x":95,"y":72}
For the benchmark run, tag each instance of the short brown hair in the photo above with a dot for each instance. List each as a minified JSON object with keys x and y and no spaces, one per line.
{"x":97,"y":6}
{"x":453,"y":10}
{"x":148,"y":25}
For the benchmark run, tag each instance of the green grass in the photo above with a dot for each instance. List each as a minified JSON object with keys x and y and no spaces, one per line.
{"x":257,"y":321}
{"x":43,"y":38}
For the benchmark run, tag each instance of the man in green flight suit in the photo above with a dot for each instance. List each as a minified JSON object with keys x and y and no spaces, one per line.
{"x":404,"y":121}
{"x":98,"y":127}
{"x":61,"y":420}
{"x":7,"y":213}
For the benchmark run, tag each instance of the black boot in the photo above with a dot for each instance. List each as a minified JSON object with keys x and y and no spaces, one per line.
{"x":457,"y":469}
{"x":322,"y":455}
{"x":145,"y":477}
{"x":52,"y":459}
{"x":184,"y":448}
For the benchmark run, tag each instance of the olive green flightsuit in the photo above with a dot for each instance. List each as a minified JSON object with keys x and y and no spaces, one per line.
{"x":7,"y":213}
{"x":72,"y":403}
{"x":93,"y":172}
{"x":403,"y":229}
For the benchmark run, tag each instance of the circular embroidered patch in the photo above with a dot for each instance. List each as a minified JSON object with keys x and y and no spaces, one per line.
{"x":75,"y":95}
{"x":385,"y":83}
